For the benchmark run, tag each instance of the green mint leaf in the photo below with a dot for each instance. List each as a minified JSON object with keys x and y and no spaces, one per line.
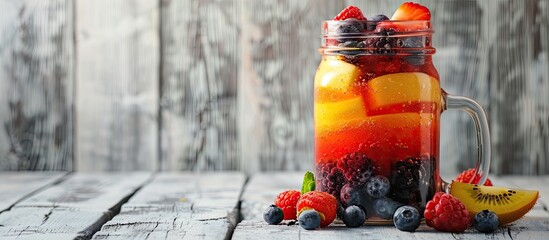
{"x":308,"y":183}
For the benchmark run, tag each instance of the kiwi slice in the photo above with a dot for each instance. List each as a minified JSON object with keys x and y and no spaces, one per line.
{"x":509,"y":204}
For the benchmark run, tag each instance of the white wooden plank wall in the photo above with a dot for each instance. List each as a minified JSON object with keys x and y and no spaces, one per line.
{"x":117,"y":85}
{"x":36,"y":85}
{"x":219,"y":84}
{"x":200,"y":59}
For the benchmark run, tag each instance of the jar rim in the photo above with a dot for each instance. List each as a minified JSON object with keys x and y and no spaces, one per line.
{"x":388,"y":31}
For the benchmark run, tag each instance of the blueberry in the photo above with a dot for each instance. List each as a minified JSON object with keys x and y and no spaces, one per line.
{"x":273,"y":214}
{"x":309,"y":219}
{"x":353,"y":195}
{"x":354,"y":216}
{"x":407,"y":218}
{"x":377,"y":186}
{"x":486,"y":221}
{"x":349,"y":29}
{"x":385,"y":207}
{"x":377,"y":18}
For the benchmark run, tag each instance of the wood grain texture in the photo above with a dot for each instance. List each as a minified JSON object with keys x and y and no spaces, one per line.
{"x":96,"y":191}
{"x":36,"y":83}
{"x":15,"y":186}
{"x":220,"y":84}
{"x":180,"y":206}
{"x":79,"y":205}
{"x":262,"y":189}
{"x":519,"y":88}
{"x":275,"y":101}
{"x":117,"y":85}
{"x":200,"y":59}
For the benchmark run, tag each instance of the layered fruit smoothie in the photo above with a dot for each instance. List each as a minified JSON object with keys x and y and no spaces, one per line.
{"x":377,"y":108}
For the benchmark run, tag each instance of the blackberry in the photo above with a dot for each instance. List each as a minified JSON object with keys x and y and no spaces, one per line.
{"x":412,"y":180}
{"x":405,"y":180}
{"x":330,"y":179}
{"x":384,"y":44}
{"x":356,"y":167}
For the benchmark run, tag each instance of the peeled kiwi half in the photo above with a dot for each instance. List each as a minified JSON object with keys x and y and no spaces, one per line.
{"x":509,"y":204}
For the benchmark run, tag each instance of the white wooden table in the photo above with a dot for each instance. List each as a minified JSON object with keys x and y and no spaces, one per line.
{"x":184,"y":205}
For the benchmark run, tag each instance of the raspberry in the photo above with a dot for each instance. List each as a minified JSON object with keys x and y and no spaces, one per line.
{"x":330,"y":178}
{"x":350,"y":12}
{"x":446,"y":213}
{"x":356,"y":167}
{"x":287,"y":201}
{"x":324,"y":203}
{"x":467,"y":175}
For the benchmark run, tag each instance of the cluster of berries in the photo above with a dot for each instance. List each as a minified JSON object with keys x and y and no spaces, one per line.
{"x":376,"y":33}
{"x":312,"y":209}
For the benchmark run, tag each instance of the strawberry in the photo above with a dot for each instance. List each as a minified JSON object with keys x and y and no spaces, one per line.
{"x":467,"y":175}
{"x":350,"y":12}
{"x":324,"y":203}
{"x":411,"y":11}
{"x":287,"y":201}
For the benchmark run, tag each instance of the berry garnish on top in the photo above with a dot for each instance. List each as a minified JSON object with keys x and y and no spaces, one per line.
{"x":411,"y":11}
{"x":446,"y":213}
{"x":469,"y":174}
{"x":287,"y":201}
{"x":350,"y":12}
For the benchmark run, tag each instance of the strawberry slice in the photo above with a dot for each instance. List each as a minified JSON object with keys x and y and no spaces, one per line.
{"x":411,"y":11}
{"x":350,"y":12}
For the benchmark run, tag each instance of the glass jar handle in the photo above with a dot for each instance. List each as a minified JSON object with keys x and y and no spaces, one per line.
{"x":483,"y":134}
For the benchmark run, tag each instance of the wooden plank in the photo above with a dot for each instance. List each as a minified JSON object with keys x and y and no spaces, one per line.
{"x":275,"y":88}
{"x":180,"y":206}
{"x":79,"y":205}
{"x":15,"y":186}
{"x":89,"y":191}
{"x":49,"y":236}
{"x":36,"y":83}
{"x":533,"y":226}
{"x":519,"y":87}
{"x":117,"y":85}
{"x":33,"y":221}
{"x":262,"y":189}
{"x":200,"y":59}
